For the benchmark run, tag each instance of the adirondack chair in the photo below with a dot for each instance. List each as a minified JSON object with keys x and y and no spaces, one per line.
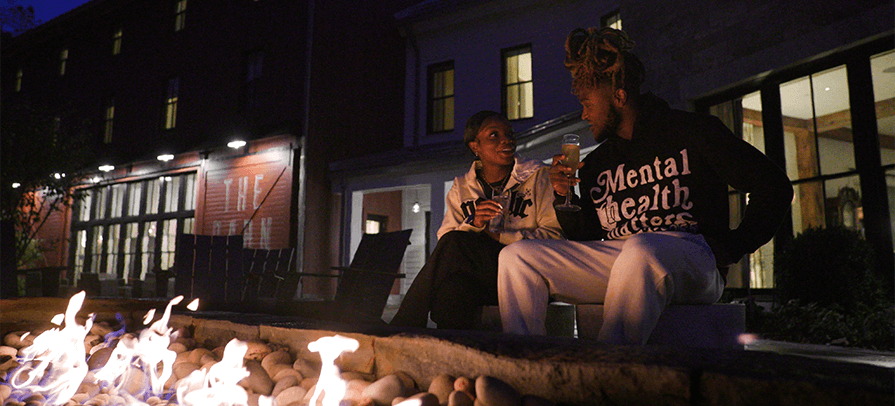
{"x":209,"y":268}
{"x":364,"y":285}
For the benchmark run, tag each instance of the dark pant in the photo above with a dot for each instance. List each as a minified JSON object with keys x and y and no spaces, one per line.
{"x":458,"y":279}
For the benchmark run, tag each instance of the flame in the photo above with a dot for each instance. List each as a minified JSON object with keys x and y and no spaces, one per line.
{"x":54,"y":365}
{"x":330,"y":382}
{"x":220,"y":385}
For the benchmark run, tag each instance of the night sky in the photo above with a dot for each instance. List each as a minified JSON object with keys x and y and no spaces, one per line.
{"x":46,"y":10}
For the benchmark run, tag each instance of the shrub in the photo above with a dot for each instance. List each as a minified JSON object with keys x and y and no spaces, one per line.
{"x":827,"y":266}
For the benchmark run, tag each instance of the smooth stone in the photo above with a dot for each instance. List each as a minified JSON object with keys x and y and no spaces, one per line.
{"x":283,"y":384}
{"x":293,"y":394}
{"x":492,"y":391}
{"x":258,"y":381}
{"x":421,"y":399}
{"x":256,"y":350}
{"x":464,"y":384}
{"x":99,"y":358}
{"x":288,"y":371}
{"x":385,"y":390}
{"x":460,"y":398}
{"x":274,"y":358}
{"x":442,"y":386}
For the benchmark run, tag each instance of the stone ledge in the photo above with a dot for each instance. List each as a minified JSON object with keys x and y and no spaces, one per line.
{"x":567,"y":370}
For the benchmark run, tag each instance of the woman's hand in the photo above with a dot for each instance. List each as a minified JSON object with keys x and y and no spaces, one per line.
{"x":485,"y":210}
{"x":561,"y":175}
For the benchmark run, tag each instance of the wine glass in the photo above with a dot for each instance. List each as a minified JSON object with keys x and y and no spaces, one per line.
{"x":571,"y":149}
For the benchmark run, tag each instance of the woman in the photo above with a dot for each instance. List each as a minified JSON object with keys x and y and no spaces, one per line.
{"x":461,"y":274}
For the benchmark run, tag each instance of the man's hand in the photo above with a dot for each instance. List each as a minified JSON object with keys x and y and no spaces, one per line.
{"x":561,"y":175}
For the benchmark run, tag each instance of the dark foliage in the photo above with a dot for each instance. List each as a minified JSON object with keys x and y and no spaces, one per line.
{"x":827,"y":266}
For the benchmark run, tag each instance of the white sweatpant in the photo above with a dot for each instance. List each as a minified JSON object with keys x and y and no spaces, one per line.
{"x":634,"y":278}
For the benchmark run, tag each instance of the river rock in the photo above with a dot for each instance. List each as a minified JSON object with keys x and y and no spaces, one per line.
{"x":386,"y":389}
{"x":291,"y":395}
{"x":464,"y":384}
{"x":277,"y":357}
{"x":258,"y":381}
{"x":283,"y":384}
{"x":460,"y":398}
{"x":442,"y":386}
{"x":257,"y":350}
{"x":492,"y":391}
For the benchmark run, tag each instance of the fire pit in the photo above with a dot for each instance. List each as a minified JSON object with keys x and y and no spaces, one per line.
{"x":561,"y":370}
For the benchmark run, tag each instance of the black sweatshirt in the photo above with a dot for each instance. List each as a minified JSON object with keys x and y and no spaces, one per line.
{"x":673,"y":175}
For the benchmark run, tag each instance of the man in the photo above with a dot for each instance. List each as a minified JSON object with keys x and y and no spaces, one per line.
{"x":653,"y":226}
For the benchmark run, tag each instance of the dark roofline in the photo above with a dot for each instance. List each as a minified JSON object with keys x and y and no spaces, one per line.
{"x":450,"y":149}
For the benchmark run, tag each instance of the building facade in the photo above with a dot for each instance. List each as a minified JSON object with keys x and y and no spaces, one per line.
{"x":164,"y":88}
{"x":808,"y":83}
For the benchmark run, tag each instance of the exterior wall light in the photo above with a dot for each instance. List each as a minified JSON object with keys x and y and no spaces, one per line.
{"x":106,"y":168}
{"x":236,"y":144}
{"x":165,"y":157}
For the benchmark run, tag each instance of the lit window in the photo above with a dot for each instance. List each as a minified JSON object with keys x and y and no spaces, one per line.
{"x":441,"y":97}
{"x":518,"y":88}
{"x":171,"y":103}
{"x":116,"y":42}
{"x":612,"y":20}
{"x":19,"y":75}
{"x":109,"y":119}
{"x":63,"y":58}
{"x":180,"y":15}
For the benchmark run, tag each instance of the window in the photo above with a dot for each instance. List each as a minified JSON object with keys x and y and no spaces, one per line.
{"x":253,"y":68}
{"x":612,"y":20}
{"x":128,"y":229}
{"x":171,"y":103}
{"x":518,"y":90}
{"x":63,"y":58}
{"x":108,"y":121}
{"x":376,"y":224}
{"x":179,"y":15}
{"x":441,"y":97}
{"x":18,"y":86}
{"x":808,"y":123}
{"x":116,"y":42}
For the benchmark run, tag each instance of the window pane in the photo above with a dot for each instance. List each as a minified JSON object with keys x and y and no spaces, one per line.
{"x":518,"y":89}
{"x":882,"y":67}
{"x":135,"y":193}
{"x":112,"y":249}
{"x":172,"y":193}
{"x":817,"y":124}
{"x":97,"y":249}
{"x":153,"y":189}
{"x":189,"y":194}
{"x":117,"y":199}
{"x":84,"y":205}
{"x":80,"y":252}
{"x":169,"y":237}
{"x":99,"y":204}
{"x":131,"y":251}
{"x":147,"y":246}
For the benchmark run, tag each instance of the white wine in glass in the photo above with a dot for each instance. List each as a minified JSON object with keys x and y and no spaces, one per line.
{"x":571,"y":149}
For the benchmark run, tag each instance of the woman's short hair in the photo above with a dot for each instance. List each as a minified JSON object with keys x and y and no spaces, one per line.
{"x":598,"y":57}
{"x":474,"y":125}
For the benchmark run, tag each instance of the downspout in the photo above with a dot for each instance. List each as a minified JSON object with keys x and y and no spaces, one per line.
{"x":303,"y":143}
